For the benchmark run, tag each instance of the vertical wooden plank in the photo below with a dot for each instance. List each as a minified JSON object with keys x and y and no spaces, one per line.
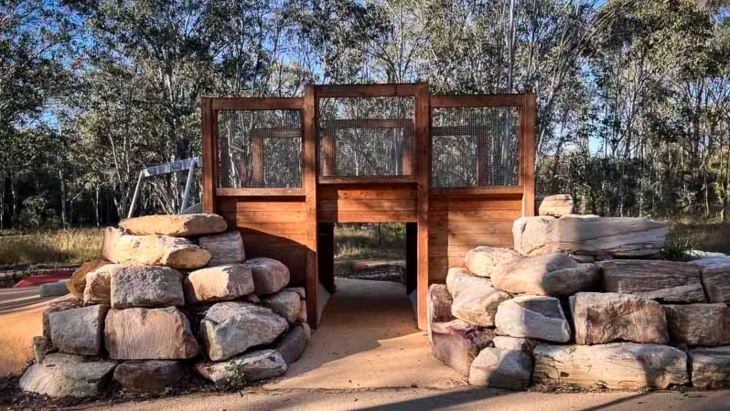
{"x":210,"y":164}
{"x":527,"y":154}
{"x":309,"y":173}
{"x":257,"y":161}
{"x":411,"y":257}
{"x":328,"y":155}
{"x":423,"y":168}
{"x":326,"y":255}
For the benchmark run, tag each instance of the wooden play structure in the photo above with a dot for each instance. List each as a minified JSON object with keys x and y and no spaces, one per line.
{"x":458,"y":170}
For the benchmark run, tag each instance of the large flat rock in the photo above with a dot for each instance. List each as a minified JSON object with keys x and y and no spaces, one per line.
{"x":175,"y":252}
{"x":478,"y":305}
{"x":699,"y":324}
{"x":78,"y":330}
{"x":230,"y":328}
{"x":149,"y":376}
{"x":535,"y":317}
{"x":600,"y":318}
{"x":255,"y":366}
{"x":146,"y":286}
{"x":456,"y":343}
{"x":626,"y":366}
{"x":220,"y":283}
{"x":621,"y":237}
{"x":149,"y":334}
{"x":554,"y":274}
{"x":292,"y":344}
{"x":98,"y":289}
{"x":482,"y":260}
{"x":498,"y":368}
{"x":225,"y":248}
{"x":667,"y":281}
{"x":710,"y":367}
{"x":182,"y":225}
{"x":285,"y":303}
{"x":438,"y":306}
{"x":66,"y":375}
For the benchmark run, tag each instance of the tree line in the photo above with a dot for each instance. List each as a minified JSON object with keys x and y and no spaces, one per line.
{"x":633,"y":97}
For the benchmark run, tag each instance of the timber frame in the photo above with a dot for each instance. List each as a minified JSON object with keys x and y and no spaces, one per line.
{"x":296,"y":225}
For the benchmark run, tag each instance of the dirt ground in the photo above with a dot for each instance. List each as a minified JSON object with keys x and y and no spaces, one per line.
{"x":21,"y":312}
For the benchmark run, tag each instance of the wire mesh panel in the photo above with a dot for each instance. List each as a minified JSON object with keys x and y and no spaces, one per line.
{"x":370,"y":136}
{"x":259,"y":149}
{"x":475,"y":146}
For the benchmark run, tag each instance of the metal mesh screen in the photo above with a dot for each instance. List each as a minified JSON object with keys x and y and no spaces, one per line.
{"x":259,"y":149}
{"x":475,"y":146}
{"x":366,"y":136}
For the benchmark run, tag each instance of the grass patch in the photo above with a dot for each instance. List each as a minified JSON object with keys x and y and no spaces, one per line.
{"x":705,"y":236}
{"x":73,"y":246}
{"x":361,"y":241}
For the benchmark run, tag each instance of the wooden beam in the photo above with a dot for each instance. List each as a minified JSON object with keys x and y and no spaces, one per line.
{"x":423,"y":170}
{"x":329,"y":153}
{"x":309,"y":172}
{"x":209,"y":146}
{"x":477,"y":100}
{"x":260,"y":192}
{"x":257,"y":161}
{"x":367,"y":180}
{"x":492,"y":191}
{"x":257,"y":103}
{"x":527,"y":154}
{"x":367,"y":90}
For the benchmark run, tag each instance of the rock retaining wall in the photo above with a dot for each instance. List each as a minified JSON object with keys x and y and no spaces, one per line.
{"x":171,"y":294}
{"x":584,"y":302}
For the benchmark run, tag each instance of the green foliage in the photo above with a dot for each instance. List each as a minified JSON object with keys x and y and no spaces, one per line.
{"x":677,"y":249}
{"x":235,"y":377}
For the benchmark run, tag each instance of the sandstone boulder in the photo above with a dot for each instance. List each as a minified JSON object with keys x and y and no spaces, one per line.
{"x":715,"y":278}
{"x":220,"y":283}
{"x":498,"y":368}
{"x":57,"y":289}
{"x":533,"y":317}
{"x":299,"y":290}
{"x":146,"y":286}
{"x":148,"y":376}
{"x":65,"y":375}
{"x":482,"y":260}
{"x":98,"y":288}
{"x":149,"y":334}
{"x":456,"y":343}
{"x":620,"y":237}
{"x":292,"y":345}
{"x":269,"y":275}
{"x":710,"y":367}
{"x":513,"y":343}
{"x":438,"y":306}
{"x":626,"y":366}
{"x":557,"y":205}
{"x":458,"y":279}
{"x":41,"y":347}
{"x":285,"y":303}
{"x":667,"y":281}
{"x":57,"y":306}
{"x":554,"y":274}
{"x":599,"y":318}
{"x":478,"y":305}
{"x":183,"y":225}
{"x":175,"y":252}
{"x":225,"y":248}
{"x":256,"y":365}
{"x":79,"y":330}
{"x":231,"y":328}
{"x":77,"y":283}
{"x":699,"y":324}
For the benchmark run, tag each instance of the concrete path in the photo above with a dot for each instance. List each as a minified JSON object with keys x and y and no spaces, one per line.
{"x":368,"y":339}
{"x":428,"y":399}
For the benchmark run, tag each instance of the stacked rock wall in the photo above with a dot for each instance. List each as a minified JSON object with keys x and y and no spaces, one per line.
{"x":171,"y":294}
{"x":584,"y":301}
